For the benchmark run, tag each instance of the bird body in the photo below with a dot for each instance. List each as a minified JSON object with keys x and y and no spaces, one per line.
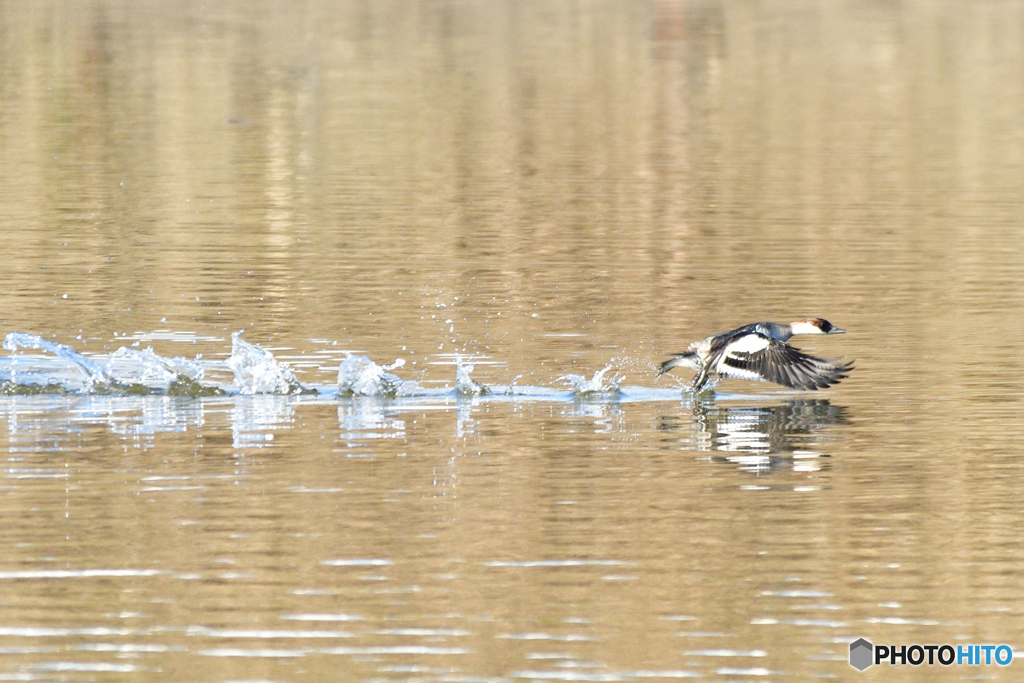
{"x":759,"y":352}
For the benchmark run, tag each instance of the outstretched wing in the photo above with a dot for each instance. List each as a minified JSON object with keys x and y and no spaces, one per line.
{"x":770,"y":360}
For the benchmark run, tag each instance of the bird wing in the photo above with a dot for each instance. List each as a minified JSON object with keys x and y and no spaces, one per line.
{"x":755,"y":356}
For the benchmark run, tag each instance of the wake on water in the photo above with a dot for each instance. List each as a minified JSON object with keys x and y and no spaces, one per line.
{"x":133,"y":371}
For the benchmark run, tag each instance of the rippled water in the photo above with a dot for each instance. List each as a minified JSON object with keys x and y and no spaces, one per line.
{"x":459,"y":239}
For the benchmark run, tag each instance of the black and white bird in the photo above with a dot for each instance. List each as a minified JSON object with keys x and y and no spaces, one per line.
{"x":759,"y":352}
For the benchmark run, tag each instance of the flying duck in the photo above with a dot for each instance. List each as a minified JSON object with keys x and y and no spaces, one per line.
{"x":759,"y":352}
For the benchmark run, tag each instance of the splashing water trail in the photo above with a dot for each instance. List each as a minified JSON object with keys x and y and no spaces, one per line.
{"x":465,"y":385}
{"x":257,"y":372}
{"x":131,"y":371}
{"x":595,"y":385}
{"x":360,"y":376}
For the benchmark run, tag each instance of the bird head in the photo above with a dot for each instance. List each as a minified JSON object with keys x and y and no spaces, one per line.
{"x":815,"y":326}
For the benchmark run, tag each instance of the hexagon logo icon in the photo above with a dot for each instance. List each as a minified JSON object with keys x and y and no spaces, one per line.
{"x":862,"y":654}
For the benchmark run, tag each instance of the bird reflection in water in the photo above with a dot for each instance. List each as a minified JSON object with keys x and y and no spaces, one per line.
{"x":759,"y":439}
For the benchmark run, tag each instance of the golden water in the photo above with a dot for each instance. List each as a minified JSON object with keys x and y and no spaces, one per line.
{"x":547,"y":188}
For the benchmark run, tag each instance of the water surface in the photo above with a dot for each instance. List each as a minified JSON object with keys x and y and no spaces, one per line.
{"x":537,"y":190}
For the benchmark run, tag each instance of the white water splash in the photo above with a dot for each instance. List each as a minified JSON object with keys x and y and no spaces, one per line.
{"x":465,"y":385}
{"x":510,"y":390}
{"x":94,"y":373}
{"x":595,"y":385}
{"x":152,"y":367}
{"x":257,"y":372}
{"x":360,"y":376}
{"x":175,"y":376}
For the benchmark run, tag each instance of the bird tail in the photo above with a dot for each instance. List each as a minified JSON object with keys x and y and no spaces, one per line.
{"x":687,"y":359}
